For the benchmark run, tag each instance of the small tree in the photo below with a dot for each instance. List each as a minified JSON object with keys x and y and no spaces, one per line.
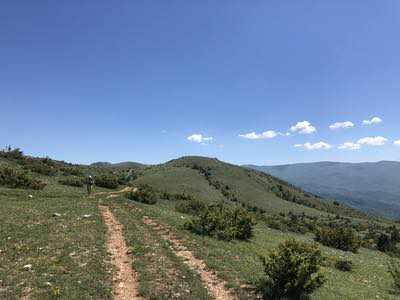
{"x":292,"y":271}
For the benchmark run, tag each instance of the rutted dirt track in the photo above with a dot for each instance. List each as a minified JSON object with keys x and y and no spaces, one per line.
{"x":215,"y":286}
{"x":125,"y":279}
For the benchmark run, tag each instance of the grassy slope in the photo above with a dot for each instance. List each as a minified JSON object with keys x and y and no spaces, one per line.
{"x":68,"y":251}
{"x":238,"y":263}
{"x":33,"y":236}
{"x":179,"y":180}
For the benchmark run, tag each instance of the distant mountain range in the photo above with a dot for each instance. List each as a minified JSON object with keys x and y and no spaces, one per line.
{"x":370,"y":187}
{"x":125,"y":165}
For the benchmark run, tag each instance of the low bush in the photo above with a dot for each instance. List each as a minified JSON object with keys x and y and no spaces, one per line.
{"x":144,"y":193}
{"x":297,"y":223}
{"x":19,"y":179}
{"x":40,"y":168}
{"x":189,"y":205}
{"x":108,"y":181}
{"x":344,"y":265}
{"x":343,"y":238}
{"x":223,"y":222}
{"x":72,"y":181}
{"x":385,"y":243}
{"x":43,"y":166}
{"x":74,"y":171}
{"x":292,"y":271}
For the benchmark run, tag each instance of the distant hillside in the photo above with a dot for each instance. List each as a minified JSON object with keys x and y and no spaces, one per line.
{"x":371,"y":187}
{"x":125,"y":164}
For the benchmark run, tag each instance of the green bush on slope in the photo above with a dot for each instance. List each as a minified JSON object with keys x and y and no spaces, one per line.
{"x":106,"y":181}
{"x":341,"y":237}
{"x":144,"y":193}
{"x":223,"y":222}
{"x":292,"y":271}
{"x":189,"y":205}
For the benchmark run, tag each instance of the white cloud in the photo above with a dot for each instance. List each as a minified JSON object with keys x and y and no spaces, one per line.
{"x":341,"y":125}
{"x":350,"y":146}
{"x":270,"y":134}
{"x":373,"y":141}
{"x":199,"y":138}
{"x":303,"y":127}
{"x":396,"y":143}
{"x":373,"y":121}
{"x":316,"y":146}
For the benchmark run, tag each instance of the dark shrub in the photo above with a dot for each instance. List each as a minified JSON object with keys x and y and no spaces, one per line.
{"x":385,"y":243}
{"x":344,"y":265}
{"x":292,"y":271}
{"x":72,"y":181}
{"x":190,"y":205}
{"x":106,"y":181}
{"x":123,"y":179}
{"x":223,"y":222}
{"x":12,"y":153}
{"x":394,"y":234}
{"x":18,"y":179}
{"x":343,"y":238}
{"x":394,"y":270}
{"x":144,"y":193}
{"x":74,"y":171}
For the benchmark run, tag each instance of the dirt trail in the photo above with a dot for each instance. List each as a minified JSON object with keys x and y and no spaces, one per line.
{"x":215,"y":286}
{"x":114,"y":194}
{"x":125,"y":279}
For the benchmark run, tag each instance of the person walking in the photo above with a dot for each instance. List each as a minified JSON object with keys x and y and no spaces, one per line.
{"x":89,"y":184}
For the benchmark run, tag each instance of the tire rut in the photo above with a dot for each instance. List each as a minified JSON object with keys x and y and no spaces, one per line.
{"x":215,"y":286}
{"x":125,"y":278}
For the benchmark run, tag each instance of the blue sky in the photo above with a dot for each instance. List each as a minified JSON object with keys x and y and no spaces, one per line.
{"x":91,"y":81}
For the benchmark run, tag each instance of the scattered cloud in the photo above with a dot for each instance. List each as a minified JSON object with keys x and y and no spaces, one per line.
{"x":396,"y":143}
{"x":199,"y":138}
{"x":303,"y":127}
{"x":373,"y":121}
{"x":373,"y":141}
{"x":270,"y":134}
{"x":350,"y":146}
{"x":316,"y":146}
{"x":341,"y":125}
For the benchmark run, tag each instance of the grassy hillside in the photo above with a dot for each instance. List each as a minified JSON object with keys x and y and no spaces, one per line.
{"x":254,"y":188}
{"x":371,"y":187}
{"x":54,"y":239}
